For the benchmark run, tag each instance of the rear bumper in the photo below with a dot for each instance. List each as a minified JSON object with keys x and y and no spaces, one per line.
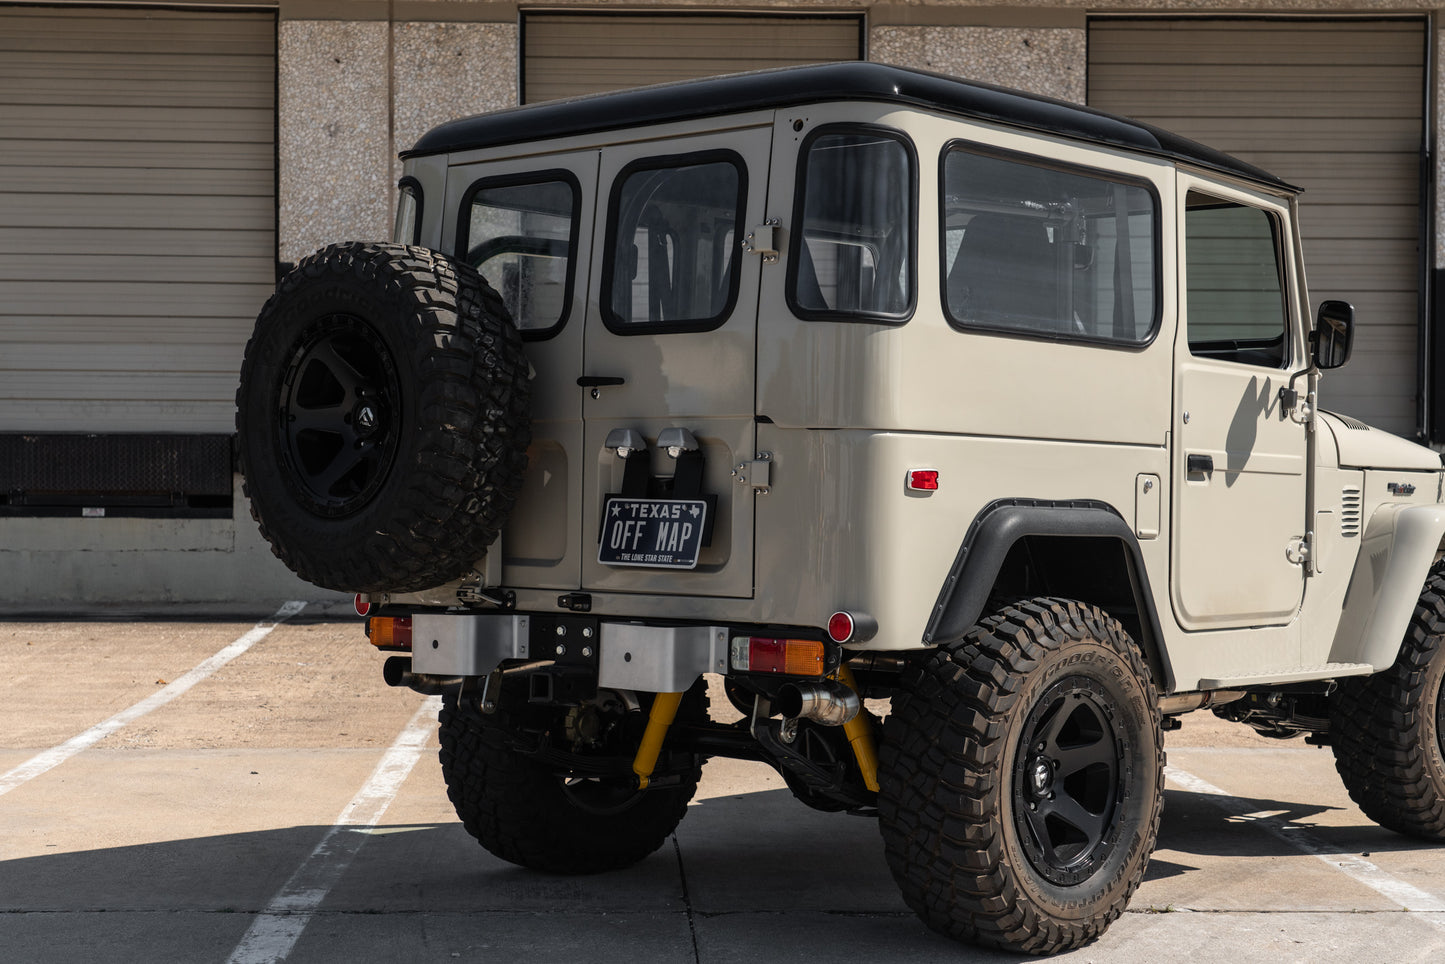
{"x":625,"y":655}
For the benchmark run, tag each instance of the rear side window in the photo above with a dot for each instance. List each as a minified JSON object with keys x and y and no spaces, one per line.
{"x":855,"y":218}
{"x":407,"y":229}
{"x":671,"y":263}
{"x":1047,"y":251}
{"x":1234,"y":296}
{"x":521,"y":234}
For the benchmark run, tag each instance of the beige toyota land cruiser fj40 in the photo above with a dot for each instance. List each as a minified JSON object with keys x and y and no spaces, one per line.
{"x":848,"y":383}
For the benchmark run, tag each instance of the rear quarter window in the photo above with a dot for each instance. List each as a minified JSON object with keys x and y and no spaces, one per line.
{"x":1036,"y":249}
{"x":855,"y":223}
{"x":407,"y":229}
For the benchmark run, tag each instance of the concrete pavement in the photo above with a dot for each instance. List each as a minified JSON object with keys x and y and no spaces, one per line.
{"x":166,"y":839}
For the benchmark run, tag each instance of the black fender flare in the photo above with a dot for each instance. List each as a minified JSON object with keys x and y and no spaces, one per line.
{"x":1001,"y":524}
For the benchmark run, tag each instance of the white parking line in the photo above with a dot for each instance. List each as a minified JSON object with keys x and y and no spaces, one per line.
{"x":275,"y":931}
{"x":1408,"y":896}
{"x":52,"y":758}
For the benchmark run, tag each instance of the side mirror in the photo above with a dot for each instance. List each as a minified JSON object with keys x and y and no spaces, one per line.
{"x":1334,"y":334}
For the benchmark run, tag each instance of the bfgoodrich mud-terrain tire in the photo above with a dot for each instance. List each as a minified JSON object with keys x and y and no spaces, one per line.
{"x":1021,"y":779}
{"x":1387,"y":729}
{"x":383,"y":418}
{"x":529,"y":814}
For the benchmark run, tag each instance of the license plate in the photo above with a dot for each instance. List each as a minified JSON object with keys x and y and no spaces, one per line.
{"x":652,"y":533}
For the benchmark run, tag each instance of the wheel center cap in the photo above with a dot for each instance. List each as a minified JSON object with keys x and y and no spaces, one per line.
{"x":1041,"y":777}
{"x":366,"y":419}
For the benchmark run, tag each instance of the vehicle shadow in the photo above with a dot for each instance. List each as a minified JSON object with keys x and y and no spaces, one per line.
{"x":744,"y":875}
{"x":424,"y":892}
{"x":1196,"y":823}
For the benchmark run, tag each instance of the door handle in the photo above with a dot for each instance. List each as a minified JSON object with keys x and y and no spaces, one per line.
{"x":597,"y":381}
{"x":1200,"y":463}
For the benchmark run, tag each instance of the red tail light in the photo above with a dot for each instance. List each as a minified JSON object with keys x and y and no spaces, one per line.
{"x":791,"y":657}
{"x":854,"y":627}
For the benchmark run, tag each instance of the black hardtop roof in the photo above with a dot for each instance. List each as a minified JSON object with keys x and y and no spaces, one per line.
{"x":789,"y":86}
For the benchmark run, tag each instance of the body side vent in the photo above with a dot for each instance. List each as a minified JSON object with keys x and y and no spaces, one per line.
{"x":1350,"y":511}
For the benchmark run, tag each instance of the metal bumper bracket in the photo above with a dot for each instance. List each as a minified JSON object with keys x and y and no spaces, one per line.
{"x":660,"y":659}
{"x":450,"y":645}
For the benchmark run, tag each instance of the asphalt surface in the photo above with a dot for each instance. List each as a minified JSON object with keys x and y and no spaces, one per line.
{"x":199,"y":789}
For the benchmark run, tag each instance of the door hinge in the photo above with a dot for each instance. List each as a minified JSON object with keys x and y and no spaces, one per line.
{"x":475,"y":595}
{"x":758,"y":473}
{"x":1300,"y":410}
{"x":763,"y":240}
{"x":1298,"y":551}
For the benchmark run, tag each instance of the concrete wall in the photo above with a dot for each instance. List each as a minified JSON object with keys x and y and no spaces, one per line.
{"x":353,"y":95}
{"x":1041,"y":60}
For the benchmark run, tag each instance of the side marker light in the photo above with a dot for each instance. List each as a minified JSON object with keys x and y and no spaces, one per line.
{"x":923,"y":480}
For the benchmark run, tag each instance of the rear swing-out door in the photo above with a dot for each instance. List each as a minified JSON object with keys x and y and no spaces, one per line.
{"x":526,"y":224}
{"x":669,"y":362}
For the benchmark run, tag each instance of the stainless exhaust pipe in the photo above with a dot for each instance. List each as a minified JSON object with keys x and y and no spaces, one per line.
{"x":827,"y":702}
{"x":396,"y":671}
{"x":1178,"y":703}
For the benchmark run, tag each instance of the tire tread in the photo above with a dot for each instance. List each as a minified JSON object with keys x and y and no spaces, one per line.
{"x":944,"y":741}
{"x":515,"y":809}
{"x":462,"y":476}
{"x":1382,"y":728}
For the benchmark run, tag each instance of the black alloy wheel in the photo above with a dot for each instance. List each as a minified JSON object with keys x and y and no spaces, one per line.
{"x":1067,"y":770}
{"x":341,"y":417}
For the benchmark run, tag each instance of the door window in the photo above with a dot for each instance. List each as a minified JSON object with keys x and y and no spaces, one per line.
{"x":1235,"y":288}
{"x":671,"y":262}
{"x":521,"y":236}
{"x":856,"y":220}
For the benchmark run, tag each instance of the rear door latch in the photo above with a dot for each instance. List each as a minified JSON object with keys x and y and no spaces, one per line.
{"x":763,"y":240}
{"x":757,"y":473}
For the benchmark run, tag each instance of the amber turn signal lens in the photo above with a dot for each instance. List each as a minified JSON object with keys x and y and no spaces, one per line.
{"x":390,"y":632}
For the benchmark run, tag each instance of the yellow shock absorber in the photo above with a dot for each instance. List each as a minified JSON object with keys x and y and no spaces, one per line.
{"x":859,"y":731}
{"x":664,"y":711}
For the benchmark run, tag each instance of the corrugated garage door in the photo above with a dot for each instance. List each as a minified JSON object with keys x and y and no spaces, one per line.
{"x":1335,"y":106}
{"x":137,"y":214}
{"x":570,"y":54}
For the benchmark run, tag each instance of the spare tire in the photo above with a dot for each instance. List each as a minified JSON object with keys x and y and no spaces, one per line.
{"x":382,"y":418}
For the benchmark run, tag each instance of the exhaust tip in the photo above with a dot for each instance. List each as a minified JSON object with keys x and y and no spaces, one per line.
{"x":790,"y":701}
{"x":395,"y":670}
{"x":830,"y":703}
